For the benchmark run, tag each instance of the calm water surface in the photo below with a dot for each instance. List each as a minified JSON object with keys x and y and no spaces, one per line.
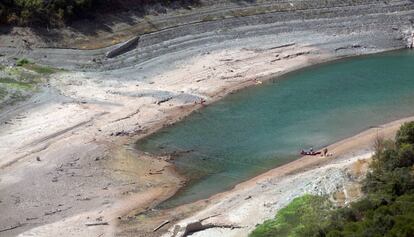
{"x":265,"y":126}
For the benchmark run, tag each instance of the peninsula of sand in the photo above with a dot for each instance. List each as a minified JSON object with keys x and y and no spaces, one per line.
{"x":68,"y":166}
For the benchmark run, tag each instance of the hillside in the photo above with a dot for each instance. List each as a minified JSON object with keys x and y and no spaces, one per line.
{"x":57,"y":13}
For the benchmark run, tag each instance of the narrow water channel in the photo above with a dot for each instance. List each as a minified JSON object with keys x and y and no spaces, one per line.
{"x":263,"y":127}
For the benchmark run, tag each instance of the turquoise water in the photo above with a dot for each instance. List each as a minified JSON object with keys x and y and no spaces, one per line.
{"x":265,"y":126}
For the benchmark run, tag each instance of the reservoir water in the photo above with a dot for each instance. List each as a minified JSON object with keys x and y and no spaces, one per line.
{"x":260,"y":128}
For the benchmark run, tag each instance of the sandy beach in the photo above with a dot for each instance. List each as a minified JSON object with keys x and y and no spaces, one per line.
{"x":68,"y":164}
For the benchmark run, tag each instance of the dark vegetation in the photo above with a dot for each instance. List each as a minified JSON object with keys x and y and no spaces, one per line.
{"x":59,"y":12}
{"x":386,"y":210}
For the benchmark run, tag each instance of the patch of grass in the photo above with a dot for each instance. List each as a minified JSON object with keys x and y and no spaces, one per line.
{"x":40,"y":69}
{"x":22,"y":62}
{"x":208,"y":18}
{"x":25,"y":63}
{"x":243,"y":13}
{"x":302,"y":217}
{"x":3,"y":93}
{"x":9,"y":82}
{"x":20,"y":82}
{"x":31,"y":69}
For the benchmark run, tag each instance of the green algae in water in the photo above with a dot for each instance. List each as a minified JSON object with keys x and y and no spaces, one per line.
{"x":266,"y":126}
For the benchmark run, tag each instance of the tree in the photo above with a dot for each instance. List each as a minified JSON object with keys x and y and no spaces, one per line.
{"x":405,"y":135}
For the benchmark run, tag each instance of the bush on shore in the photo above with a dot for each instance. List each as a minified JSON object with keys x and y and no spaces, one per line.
{"x":296,"y":219}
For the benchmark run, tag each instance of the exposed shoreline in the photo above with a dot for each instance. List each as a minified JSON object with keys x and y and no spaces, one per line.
{"x":83,"y":133}
{"x":124,"y":207}
{"x":261,"y":196}
{"x":89,"y":133}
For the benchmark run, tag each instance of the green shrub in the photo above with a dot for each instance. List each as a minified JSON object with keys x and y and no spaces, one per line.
{"x":22,"y":62}
{"x":405,"y":135}
{"x":40,"y":69}
{"x":304,"y":216}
